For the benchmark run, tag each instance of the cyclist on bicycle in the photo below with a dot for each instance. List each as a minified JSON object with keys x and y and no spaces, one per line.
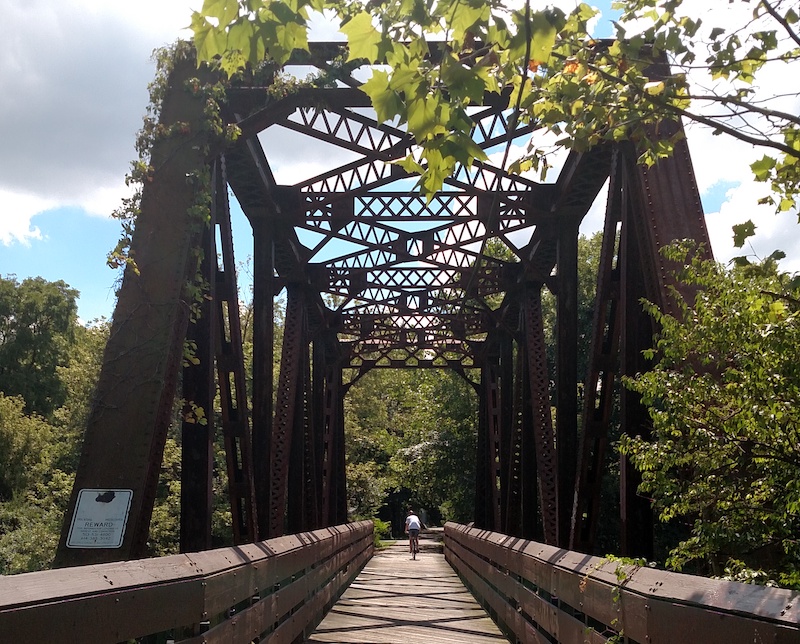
{"x":413,"y":524}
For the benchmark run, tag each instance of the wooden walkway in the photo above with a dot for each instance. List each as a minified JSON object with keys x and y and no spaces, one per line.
{"x":399,"y":601}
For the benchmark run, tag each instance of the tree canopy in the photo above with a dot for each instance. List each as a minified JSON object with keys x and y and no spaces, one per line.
{"x":37,"y":320}
{"x":724,"y":398}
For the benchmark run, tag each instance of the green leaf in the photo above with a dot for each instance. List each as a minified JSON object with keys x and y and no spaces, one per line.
{"x":240,"y":38}
{"x":462,"y":82}
{"x":207,"y":39}
{"x":742,"y":231}
{"x":761,"y":169}
{"x":465,"y":17}
{"x":410,"y":165}
{"x":291,"y":36}
{"x":543,"y":34}
{"x":387,"y":102}
{"x":423,"y":118}
{"x":223,"y":10}
{"x":362,"y":38}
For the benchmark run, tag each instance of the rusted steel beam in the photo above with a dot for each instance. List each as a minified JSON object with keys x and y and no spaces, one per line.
{"x":317,"y":420}
{"x":299,"y":510}
{"x":506,"y":417}
{"x":332,"y":442}
{"x":482,"y":466}
{"x":566,"y":374}
{"x":602,"y":370}
{"x":530,"y":504}
{"x":664,"y":205}
{"x":232,"y":381}
{"x":539,"y":383}
{"x":514,"y":469}
{"x":263,"y":351}
{"x":637,"y":330}
{"x":199,"y":391}
{"x":286,"y":408}
{"x":340,"y":473}
{"x":126,"y":429}
{"x":492,"y":377}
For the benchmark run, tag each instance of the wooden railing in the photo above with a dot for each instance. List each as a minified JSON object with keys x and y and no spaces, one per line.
{"x":539,"y":593}
{"x":275,"y":590}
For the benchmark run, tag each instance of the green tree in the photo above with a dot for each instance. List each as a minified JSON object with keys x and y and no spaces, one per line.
{"x":724,"y":398}
{"x":375,"y":409}
{"x":437,"y":462}
{"x":37,"y":325}
{"x":38,"y":459}
{"x":411,"y":437}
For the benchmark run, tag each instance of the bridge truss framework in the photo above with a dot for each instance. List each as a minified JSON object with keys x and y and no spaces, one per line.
{"x":377,"y":276}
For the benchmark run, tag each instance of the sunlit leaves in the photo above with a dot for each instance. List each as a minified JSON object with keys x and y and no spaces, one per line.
{"x":387,"y":102}
{"x":654,"y":88}
{"x":724,"y":399}
{"x":223,"y":11}
{"x":467,"y":18}
{"x":463,"y":83}
{"x":362,"y":37}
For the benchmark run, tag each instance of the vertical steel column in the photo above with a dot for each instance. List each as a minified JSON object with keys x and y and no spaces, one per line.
{"x":539,"y":381}
{"x":567,"y":374}
{"x":482,"y":466}
{"x":529,"y":487}
{"x":317,"y":422}
{"x":199,"y":391}
{"x":285,"y":409}
{"x":331,"y":385}
{"x":636,"y":335}
{"x":514,"y":468}
{"x":300,"y":469}
{"x":602,"y":370}
{"x":491,"y":375}
{"x":263,"y":351}
{"x":340,"y":471}
{"x":232,"y":381}
{"x":133,"y":403}
{"x":507,"y":422}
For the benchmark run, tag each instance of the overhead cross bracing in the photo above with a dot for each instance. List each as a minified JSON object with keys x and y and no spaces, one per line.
{"x":407,"y":279}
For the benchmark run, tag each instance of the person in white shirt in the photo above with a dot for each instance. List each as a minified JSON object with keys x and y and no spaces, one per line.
{"x":413,"y":525}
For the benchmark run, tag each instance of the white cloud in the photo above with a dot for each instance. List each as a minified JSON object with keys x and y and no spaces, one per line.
{"x":75,"y":78}
{"x":16,"y":211}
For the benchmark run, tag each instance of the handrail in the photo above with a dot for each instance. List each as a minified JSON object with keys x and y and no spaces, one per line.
{"x":275,"y":590}
{"x":540,"y":593}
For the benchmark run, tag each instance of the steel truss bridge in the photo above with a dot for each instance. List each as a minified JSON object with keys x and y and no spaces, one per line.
{"x":376,"y":275}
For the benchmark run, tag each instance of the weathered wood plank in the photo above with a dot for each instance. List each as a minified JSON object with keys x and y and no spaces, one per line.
{"x":395,"y":599}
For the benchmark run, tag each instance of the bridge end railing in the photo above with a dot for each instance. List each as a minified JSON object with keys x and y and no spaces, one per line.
{"x":272,"y":591}
{"x":540,"y":593}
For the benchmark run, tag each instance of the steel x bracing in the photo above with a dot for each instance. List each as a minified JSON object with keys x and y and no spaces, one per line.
{"x":380,"y":276}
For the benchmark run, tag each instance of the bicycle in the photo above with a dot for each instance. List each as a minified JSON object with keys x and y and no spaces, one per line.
{"x":413,"y":543}
{"x":413,"y":525}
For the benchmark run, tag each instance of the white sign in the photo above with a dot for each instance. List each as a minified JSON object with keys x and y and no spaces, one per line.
{"x":99,"y":519}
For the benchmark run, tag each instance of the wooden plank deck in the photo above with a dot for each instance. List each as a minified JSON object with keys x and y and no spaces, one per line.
{"x":397,"y":600}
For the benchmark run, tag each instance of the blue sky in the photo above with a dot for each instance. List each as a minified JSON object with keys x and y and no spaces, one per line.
{"x":74,"y":89}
